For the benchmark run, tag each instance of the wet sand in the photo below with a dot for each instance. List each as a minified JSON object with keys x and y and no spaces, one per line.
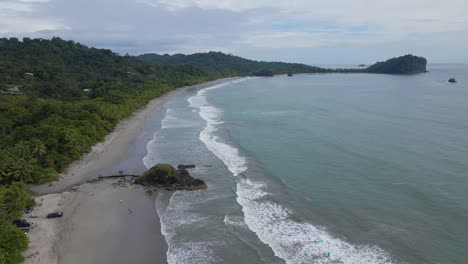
{"x":98,"y":226}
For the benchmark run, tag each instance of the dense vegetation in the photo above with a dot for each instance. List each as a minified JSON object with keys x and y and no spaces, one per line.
{"x":162,"y":173}
{"x":165,"y":176}
{"x":230,"y":65}
{"x":75,"y":95}
{"x":13,"y":200}
{"x":225,"y":64}
{"x":407,"y":64}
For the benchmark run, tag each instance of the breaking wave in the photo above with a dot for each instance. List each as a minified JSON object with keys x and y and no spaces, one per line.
{"x":293,"y":241}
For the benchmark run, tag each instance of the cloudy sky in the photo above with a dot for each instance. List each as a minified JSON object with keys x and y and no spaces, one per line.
{"x":308,"y":31}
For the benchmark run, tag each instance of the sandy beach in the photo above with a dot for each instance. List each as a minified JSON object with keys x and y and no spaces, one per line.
{"x":114,"y":148}
{"x":104,"y":222}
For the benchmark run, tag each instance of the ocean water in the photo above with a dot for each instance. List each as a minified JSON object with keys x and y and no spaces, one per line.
{"x":321,"y":168}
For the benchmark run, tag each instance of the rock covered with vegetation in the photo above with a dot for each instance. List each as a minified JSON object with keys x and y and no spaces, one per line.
{"x":407,"y":64}
{"x":167,"y":177}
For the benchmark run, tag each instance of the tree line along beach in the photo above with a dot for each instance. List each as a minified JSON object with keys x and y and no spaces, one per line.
{"x":69,"y":100}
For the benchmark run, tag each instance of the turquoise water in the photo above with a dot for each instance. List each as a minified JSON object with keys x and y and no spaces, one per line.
{"x":370,"y":168}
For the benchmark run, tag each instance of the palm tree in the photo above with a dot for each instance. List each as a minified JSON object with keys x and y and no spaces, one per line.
{"x":39,"y":150}
{"x":22,"y":149}
{"x":23,"y":170}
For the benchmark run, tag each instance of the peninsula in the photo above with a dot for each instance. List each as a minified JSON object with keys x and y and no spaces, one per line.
{"x":225,"y":64}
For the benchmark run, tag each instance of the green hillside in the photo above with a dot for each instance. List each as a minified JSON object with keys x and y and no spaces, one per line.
{"x":75,"y":95}
{"x":229,"y":65}
{"x":58,"y":98}
{"x":407,"y":64}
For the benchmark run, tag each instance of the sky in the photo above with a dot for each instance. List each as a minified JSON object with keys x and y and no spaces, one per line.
{"x":306,"y":31}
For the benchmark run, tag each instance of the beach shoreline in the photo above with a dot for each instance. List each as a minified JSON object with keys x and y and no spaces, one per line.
{"x":115,"y":146}
{"x":101,"y":223}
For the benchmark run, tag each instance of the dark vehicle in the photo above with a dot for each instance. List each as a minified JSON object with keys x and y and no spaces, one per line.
{"x":55,"y":215}
{"x":28,"y":210}
{"x":25,"y":229}
{"x":21,"y":223}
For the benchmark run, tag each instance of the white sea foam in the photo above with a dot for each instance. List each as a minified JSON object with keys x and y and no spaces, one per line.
{"x":149,"y":160}
{"x":169,"y":121}
{"x":274,"y":224}
{"x":172,"y":121}
{"x":294,"y":241}
{"x":176,"y":217}
{"x":236,"y":221}
{"x":212,"y":115}
{"x":178,"y":214}
{"x":193,"y":253}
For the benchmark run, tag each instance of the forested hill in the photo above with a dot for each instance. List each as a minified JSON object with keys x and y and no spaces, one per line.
{"x":64,"y":69}
{"x":407,"y":64}
{"x":225,"y":64}
{"x":73,"y":97}
{"x":231,"y":65}
{"x":58,"y":98}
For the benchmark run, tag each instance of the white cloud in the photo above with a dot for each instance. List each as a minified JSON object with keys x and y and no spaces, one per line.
{"x":22,"y":16}
{"x":417,"y":14}
{"x":265,"y":28}
{"x":15,"y":6}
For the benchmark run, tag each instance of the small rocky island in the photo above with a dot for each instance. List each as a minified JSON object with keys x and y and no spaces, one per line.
{"x":452,"y":80}
{"x":166,"y":177}
{"x":408,"y":64}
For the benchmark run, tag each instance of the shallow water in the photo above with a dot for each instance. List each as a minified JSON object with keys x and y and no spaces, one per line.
{"x":370,"y":168}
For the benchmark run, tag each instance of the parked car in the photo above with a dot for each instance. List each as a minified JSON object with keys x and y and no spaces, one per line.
{"x":25,"y":229}
{"x":55,"y":215}
{"x":28,"y":210}
{"x":21,"y":223}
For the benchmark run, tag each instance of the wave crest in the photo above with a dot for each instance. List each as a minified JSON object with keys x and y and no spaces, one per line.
{"x":295,"y":242}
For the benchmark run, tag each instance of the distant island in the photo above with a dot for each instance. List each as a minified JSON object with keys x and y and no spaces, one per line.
{"x":407,"y":64}
{"x":225,"y":64}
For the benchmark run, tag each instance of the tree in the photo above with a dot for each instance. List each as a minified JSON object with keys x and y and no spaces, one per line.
{"x":13,"y":199}
{"x":13,"y":242}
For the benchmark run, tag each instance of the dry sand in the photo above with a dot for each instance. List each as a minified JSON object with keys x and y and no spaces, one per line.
{"x":102,"y":223}
{"x":97,"y":226}
{"x":114,"y":148}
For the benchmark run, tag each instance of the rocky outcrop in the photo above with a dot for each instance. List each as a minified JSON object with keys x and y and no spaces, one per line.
{"x":452,"y":80}
{"x":167,"y":177}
